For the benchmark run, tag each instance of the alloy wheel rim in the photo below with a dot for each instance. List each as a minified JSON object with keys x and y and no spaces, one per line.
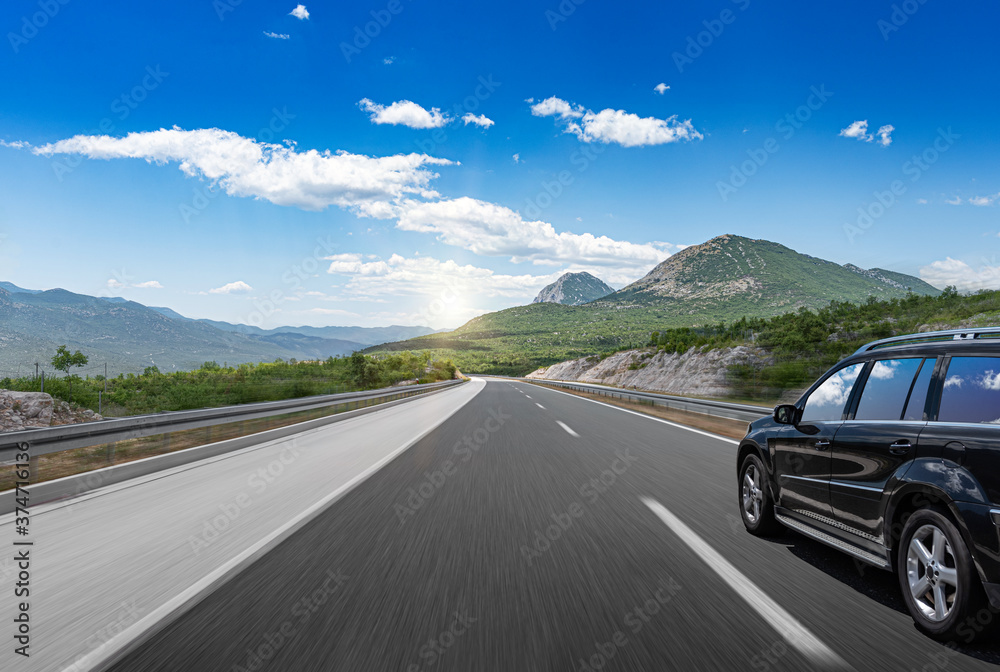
{"x":753,"y":496}
{"x":932,"y":573}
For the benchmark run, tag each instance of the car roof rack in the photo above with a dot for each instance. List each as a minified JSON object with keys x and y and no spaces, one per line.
{"x":932,"y":336}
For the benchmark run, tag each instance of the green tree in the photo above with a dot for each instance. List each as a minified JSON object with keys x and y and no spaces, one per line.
{"x":64,"y":360}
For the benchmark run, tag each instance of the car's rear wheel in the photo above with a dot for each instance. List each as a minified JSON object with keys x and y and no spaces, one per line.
{"x":938,"y":578}
{"x":756,"y":507}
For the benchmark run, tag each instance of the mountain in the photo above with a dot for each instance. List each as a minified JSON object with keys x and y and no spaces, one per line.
{"x":360,"y":336}
{"x":14,"y":289}
{"x":725,"y":279}
{"x":731,"y":272}
{"x":129,"y":336}
{"x":573,"y":289}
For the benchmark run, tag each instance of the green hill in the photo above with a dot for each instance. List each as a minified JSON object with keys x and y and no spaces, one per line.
{"x":723,"y":280}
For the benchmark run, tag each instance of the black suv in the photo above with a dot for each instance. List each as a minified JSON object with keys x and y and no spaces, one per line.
{"x":893,"y":456}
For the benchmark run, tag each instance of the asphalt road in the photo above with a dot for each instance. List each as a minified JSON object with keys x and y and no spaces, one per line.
{"x":535,"y":530}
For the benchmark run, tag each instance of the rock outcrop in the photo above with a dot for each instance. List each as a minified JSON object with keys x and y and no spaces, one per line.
{"x":25,"y":410}
{"x":695,"y":372}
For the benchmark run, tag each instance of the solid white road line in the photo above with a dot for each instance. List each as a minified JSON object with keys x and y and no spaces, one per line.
{"x":786,"y":624}
{"x":539,"y":406}
{"x":651,"y":417}
{"x":566,"y":427}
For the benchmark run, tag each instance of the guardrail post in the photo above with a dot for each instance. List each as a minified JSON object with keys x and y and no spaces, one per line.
{"x":111,"y":453}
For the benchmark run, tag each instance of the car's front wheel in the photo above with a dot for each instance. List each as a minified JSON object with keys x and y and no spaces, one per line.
{"x":938,"y":578}
{"x":756,"y":507}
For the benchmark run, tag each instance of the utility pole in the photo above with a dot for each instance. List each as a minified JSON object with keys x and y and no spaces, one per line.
{"x":105,"y":377}
{"x":36,"y":370}
{"x":43,"y":381}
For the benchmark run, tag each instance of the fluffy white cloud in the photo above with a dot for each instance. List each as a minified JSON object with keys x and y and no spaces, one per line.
{"x":859,"y":131}
{"x":149,"y":284}
{"x":884,"y":134}
{"x":983,"y":201}
{"x":17,"y":144}
{"x":517,"y":158}
{"x":238,"y":287}
{"x":960,"y":275}
{"x":404,"y":113}
{"x":310,"y":180}
{"x":389,"y":60}
{"x":277,"y":36}
{"x":493,"y":230}
{"x":661,"y":88}
{"x":481,"y":120}
{"x":552,"y":107}
{"x":954,"y":201}
{"x":616,"y":126}
{"x":300,"y":12}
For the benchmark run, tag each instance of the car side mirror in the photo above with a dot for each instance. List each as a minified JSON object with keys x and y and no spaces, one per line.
{"x":786,"y":414}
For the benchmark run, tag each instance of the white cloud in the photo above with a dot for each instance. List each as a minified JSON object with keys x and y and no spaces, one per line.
{"x":404,"y":113}
{"x":884,"y":134}
{"x":277,"y":36}
{"x":300,"y":12}
{"x":238,"y":287}
{"x":922,"y":201}
{"x":116,"y":284}
{"x":960,"y":275}
{"x":481,"y":120}
{"x":553,"y":106}
{"x":983,"y":201}
{"x":389,"y":60}
{"x":661,"y":88}
{"x":17,"y":144}
{"x":616,"y":126}
{"x":493,"y":230}
{"x":859,"y":131}
{"x":310,"y":180}
{"x":954,"y":201}
{"x":517,"y":158}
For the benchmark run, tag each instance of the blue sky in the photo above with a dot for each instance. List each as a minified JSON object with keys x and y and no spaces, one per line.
{"x":254,"y":162}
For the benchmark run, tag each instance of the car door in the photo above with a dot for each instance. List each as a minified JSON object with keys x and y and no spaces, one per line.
{"x":802,"y":452}
{"x":873,"y":447}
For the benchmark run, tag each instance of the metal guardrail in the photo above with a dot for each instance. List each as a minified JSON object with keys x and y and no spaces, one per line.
{"x":720,"y":409}
{"x":46,"y":440}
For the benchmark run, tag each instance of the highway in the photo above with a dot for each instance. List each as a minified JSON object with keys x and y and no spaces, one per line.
{"x":497,"y":526}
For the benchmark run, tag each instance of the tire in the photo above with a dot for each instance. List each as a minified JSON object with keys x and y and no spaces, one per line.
{"x":756,"y":507}
{"x":938,"y":579}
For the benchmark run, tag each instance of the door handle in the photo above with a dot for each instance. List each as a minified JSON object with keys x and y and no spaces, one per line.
{"x":900,"y":447}
{"x":821,"y":444}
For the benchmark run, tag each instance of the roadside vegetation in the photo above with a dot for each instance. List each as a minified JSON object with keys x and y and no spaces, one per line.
{"x":213,"y":384}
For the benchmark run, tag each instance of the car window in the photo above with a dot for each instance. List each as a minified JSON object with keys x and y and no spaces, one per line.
{"x":827,"y":401}
{"x":971,"y":391}
{"x":886,"y":389}
{"x":918,"y":396}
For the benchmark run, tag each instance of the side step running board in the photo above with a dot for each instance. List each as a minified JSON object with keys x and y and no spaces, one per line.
{"x":839,"y":544}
